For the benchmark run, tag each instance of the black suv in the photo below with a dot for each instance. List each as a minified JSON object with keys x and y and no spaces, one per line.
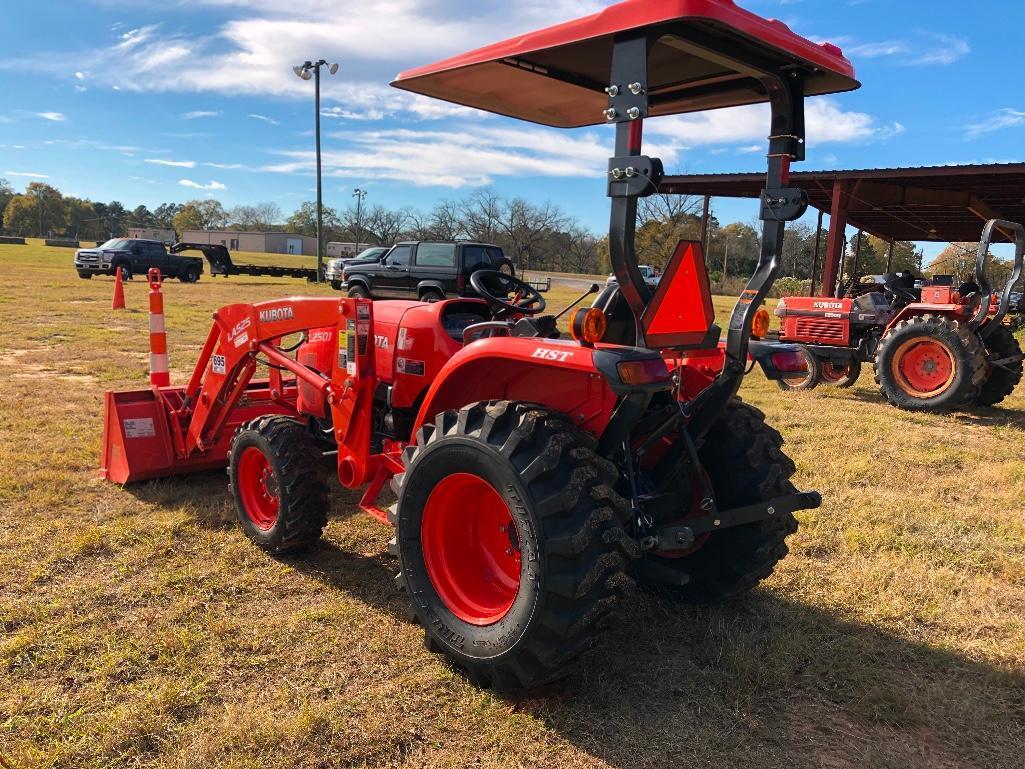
{"x":428,"y":271}
{"x":136,"y":257}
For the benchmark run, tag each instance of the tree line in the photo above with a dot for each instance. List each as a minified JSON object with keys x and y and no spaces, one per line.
{"x":539,"y":236}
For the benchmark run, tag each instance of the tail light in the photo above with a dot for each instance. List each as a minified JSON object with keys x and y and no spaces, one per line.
{"x":643,"y":372}
{"x":460,"y":281}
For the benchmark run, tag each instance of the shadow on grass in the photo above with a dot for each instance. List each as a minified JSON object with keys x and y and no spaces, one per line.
{"x":767,"y":680}
{"x":980,"y":416}
{"x":764,"y":681}
{"x":758,"y":682}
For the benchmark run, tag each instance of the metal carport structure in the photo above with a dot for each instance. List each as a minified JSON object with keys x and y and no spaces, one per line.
{"x":932,"y":203}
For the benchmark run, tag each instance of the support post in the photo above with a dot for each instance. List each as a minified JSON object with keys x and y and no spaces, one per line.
{"x":835,"y":242}
{"x":857,"y":254}
{"x":704,"y":223}
{"x":320,"y":186}
{"x":889,"y":257}
{"x":815,"y":259}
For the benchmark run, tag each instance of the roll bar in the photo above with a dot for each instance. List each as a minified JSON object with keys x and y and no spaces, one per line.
{"x":982,"y":314}
{"x":633,"y":175}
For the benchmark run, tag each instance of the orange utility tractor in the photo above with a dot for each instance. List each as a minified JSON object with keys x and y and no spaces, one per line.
{"x":536,"y":478}
{"x":934,"y":349}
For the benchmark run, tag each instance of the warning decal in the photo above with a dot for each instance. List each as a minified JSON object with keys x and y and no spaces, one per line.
{"x":139,"y":428}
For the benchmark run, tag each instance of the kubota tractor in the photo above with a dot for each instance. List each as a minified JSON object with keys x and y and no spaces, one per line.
{"x":536,"y":478}
{"x":936,"y":350}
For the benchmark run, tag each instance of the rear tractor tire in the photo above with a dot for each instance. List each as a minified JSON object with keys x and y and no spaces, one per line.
{"x":841,"y":375}
{"x":811,"y":380}
{"x":511,"y":542}
{"x":1005,"y":366}
{"x":274,"y":473}
{"x":930,"y":363}
{"x":743,"y":459}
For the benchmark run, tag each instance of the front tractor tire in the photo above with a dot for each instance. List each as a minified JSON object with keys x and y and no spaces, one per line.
{"x":274,"y":473}
{"x":1005,"y":366}
{"x":930,"y":363}
{"x":511,"y":542}
{"x":744,"y":461}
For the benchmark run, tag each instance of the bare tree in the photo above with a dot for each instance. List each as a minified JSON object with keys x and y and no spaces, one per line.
{"x":527,"y":227}
{"x":481,"y":215}
{"x":383,"y":225}
{"x":445,"y":222}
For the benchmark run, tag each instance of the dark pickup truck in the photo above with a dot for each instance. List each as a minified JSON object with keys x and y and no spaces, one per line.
{"x":136,"y":257}
{"x":428,"y":271}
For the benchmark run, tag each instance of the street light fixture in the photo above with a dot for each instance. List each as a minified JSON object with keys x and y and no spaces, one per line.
{"x":303,"y":71}
{"x":360,"y":195}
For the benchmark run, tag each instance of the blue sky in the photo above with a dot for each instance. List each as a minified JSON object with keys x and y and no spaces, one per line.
{"x":157,"y":101}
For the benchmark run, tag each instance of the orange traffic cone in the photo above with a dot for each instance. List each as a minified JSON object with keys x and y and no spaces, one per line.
{"x":119,"y":293}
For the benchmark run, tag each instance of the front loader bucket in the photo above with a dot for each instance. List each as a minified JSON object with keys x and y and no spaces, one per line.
{"x":136,"y":438}
{"x":137,"y":443}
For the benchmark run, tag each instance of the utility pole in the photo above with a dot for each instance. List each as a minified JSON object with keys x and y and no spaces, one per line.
{"x":359,"y":195}
{"x":303,"y":72}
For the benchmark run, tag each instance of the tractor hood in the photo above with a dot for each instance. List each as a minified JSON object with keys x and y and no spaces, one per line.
{"x":558,"y":76}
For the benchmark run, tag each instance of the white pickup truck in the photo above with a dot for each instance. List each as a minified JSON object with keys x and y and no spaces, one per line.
{"x":650,"y":274}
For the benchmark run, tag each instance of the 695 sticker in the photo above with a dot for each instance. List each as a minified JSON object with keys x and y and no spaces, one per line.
{"x":218,"y":364}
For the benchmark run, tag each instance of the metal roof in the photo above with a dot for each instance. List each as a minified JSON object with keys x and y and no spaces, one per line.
{"x":701,"y":60}
{"x":928,"y":203}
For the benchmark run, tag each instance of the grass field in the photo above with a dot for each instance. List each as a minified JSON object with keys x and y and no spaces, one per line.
{"x":138,"y":627}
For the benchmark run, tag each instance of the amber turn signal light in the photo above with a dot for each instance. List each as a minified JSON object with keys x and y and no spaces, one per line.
{"x":588,"y":325}
{"x":760,"y":325}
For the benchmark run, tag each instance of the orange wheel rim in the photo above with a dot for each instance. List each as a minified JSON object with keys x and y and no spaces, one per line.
{"x":924,"y":367}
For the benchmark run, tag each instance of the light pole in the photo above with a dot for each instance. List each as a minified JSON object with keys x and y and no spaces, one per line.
{"x":359,"y":195}
{"x":303,"y":71}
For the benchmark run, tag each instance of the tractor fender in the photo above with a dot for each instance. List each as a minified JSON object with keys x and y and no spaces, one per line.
{"x":564,"y":376}
{"x":955,"y":311}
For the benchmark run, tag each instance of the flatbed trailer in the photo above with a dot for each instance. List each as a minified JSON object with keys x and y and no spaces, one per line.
{"x":222,"y":264}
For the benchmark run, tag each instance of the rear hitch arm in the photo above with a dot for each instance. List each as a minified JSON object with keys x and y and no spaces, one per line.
{"x":669,"y":538}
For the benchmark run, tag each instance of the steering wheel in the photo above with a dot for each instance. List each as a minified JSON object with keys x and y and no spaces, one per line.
{"x":492,"y":284}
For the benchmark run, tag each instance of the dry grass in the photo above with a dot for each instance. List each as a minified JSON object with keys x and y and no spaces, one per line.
{"x":139,"y":628}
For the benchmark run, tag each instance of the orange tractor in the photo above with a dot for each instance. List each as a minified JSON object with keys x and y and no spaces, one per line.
{"x":934,"y":350}
{"x":536,"y":478}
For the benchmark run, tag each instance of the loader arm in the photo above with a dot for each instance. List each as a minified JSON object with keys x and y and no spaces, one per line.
{"x":241,"y":333}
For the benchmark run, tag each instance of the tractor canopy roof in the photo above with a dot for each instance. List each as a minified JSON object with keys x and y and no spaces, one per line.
{"x":705,"y":56}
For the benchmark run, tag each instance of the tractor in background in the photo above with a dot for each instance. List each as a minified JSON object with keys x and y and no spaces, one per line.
{"x":536,"y":478}
{"x":934,"y":349}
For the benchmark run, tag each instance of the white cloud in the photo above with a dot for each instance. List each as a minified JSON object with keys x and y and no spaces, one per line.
{"x":199,"y":113}
{"x":466,"y":158}
{"x":173,"y":163}
{"x":826,"y":122}
{"x":264,"y":38}
{"x":265,"y":119}
{"x":1005,"y":118}
{"x":56,"y":117}
{"x":197,"y":186}
{"x":919,"y":49}
{"x":28,"y":174}
{"x":230,"y":166}
{"x":79,"y":76}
